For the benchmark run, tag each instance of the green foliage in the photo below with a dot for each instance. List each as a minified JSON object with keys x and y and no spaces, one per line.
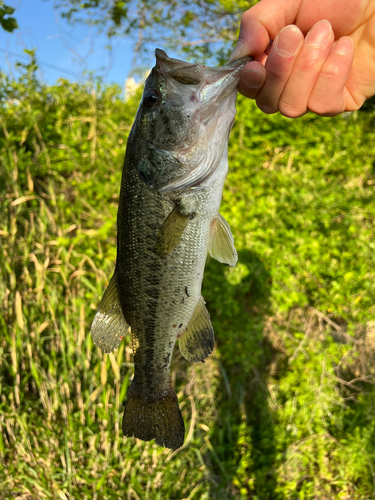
{"x":6,"y":22}
{"x":284,"y":409}
{"x":205,"y":29}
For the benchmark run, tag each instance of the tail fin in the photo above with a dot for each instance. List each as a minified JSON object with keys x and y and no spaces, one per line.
{"x":154,"y":416}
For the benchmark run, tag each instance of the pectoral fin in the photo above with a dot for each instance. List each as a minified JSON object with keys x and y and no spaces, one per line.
{"x":221,"y":242}
{"x":109,"y":326}
{"x":197,"y":341}
{"x":171,"y":231}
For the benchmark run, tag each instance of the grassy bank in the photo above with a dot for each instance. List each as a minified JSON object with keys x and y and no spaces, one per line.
{"x":284,"y":409}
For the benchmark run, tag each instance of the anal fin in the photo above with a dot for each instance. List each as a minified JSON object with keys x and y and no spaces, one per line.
{"x":221,"y":242}
{"x":109,"y":326}
{"x":197,"y":341}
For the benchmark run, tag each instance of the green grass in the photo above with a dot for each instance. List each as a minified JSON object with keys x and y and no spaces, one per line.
{"x":284,"y":409}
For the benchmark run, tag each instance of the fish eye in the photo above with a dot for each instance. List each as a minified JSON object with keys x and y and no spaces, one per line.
{"x":151,"y":99}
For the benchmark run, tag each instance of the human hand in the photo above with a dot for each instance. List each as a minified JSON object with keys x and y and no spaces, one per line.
{"x":322,"y":58}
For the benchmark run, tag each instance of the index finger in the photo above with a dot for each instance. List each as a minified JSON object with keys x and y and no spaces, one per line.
{"x":261,"y":23}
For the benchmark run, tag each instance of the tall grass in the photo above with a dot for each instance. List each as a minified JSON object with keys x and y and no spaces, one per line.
{"x":284,"y":408}
{"x":61,"y":398}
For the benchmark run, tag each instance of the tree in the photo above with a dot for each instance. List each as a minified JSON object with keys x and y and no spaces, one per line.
{"x":6,"y":22}
{"x":205,"y":28}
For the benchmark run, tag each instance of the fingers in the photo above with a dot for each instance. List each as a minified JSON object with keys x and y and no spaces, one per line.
{"x":261,"y":23}
{"x":279,"y":66}
{"x":253,"y":77}
{"x":295,"y":75}
{"x":255,"y":41}
{"x":302,"y":75}
{"x":307,"y":66}
{"x":329,"y":95}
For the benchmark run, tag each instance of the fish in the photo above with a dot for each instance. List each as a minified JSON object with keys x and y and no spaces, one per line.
{"x":175,"y":165}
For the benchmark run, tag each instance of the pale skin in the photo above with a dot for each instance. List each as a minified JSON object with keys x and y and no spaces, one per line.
{"x":310,"y":55}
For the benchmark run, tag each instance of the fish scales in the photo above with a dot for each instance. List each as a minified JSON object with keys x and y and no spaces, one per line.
{"x":168,"y":217}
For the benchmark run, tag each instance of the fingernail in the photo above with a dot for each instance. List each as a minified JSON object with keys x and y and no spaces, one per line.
{"x":319,"y":34}
{"x":288,"y":41}
{"x":344,"y":46}
{"x":252,"y":78}
{"x":237,"y":51}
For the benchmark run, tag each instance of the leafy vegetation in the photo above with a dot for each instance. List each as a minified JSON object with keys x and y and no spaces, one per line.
{"x":205,"y":29}
{"x":7,"y":22}
{"x":284,"y":409}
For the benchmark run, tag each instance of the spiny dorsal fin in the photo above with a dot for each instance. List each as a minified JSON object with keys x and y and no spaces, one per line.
{"x":109,"y":326}
{"x":221,"y":242}
{"x":197,"y":341}
{"x":171,"y":231}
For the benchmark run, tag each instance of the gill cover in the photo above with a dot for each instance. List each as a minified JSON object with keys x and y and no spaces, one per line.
{"x":183,"y":122}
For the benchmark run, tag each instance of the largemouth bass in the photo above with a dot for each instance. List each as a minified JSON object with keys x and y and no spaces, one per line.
{"x":168,"y":218}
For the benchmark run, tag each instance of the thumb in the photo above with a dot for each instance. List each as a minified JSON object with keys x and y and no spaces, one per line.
{"x":261,"y":23}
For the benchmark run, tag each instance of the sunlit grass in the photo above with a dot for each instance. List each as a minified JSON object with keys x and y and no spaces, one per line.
{"x":284,"y":408}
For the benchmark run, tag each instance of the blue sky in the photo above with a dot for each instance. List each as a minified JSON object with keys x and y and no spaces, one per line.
{"x":71,"y":49}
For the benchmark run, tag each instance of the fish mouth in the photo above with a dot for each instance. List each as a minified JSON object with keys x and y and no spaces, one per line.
{"x":221,"y":82}
{"x":214,"y":83}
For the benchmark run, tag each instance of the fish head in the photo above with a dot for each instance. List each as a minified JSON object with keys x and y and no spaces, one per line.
{"x":183,"y":122}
